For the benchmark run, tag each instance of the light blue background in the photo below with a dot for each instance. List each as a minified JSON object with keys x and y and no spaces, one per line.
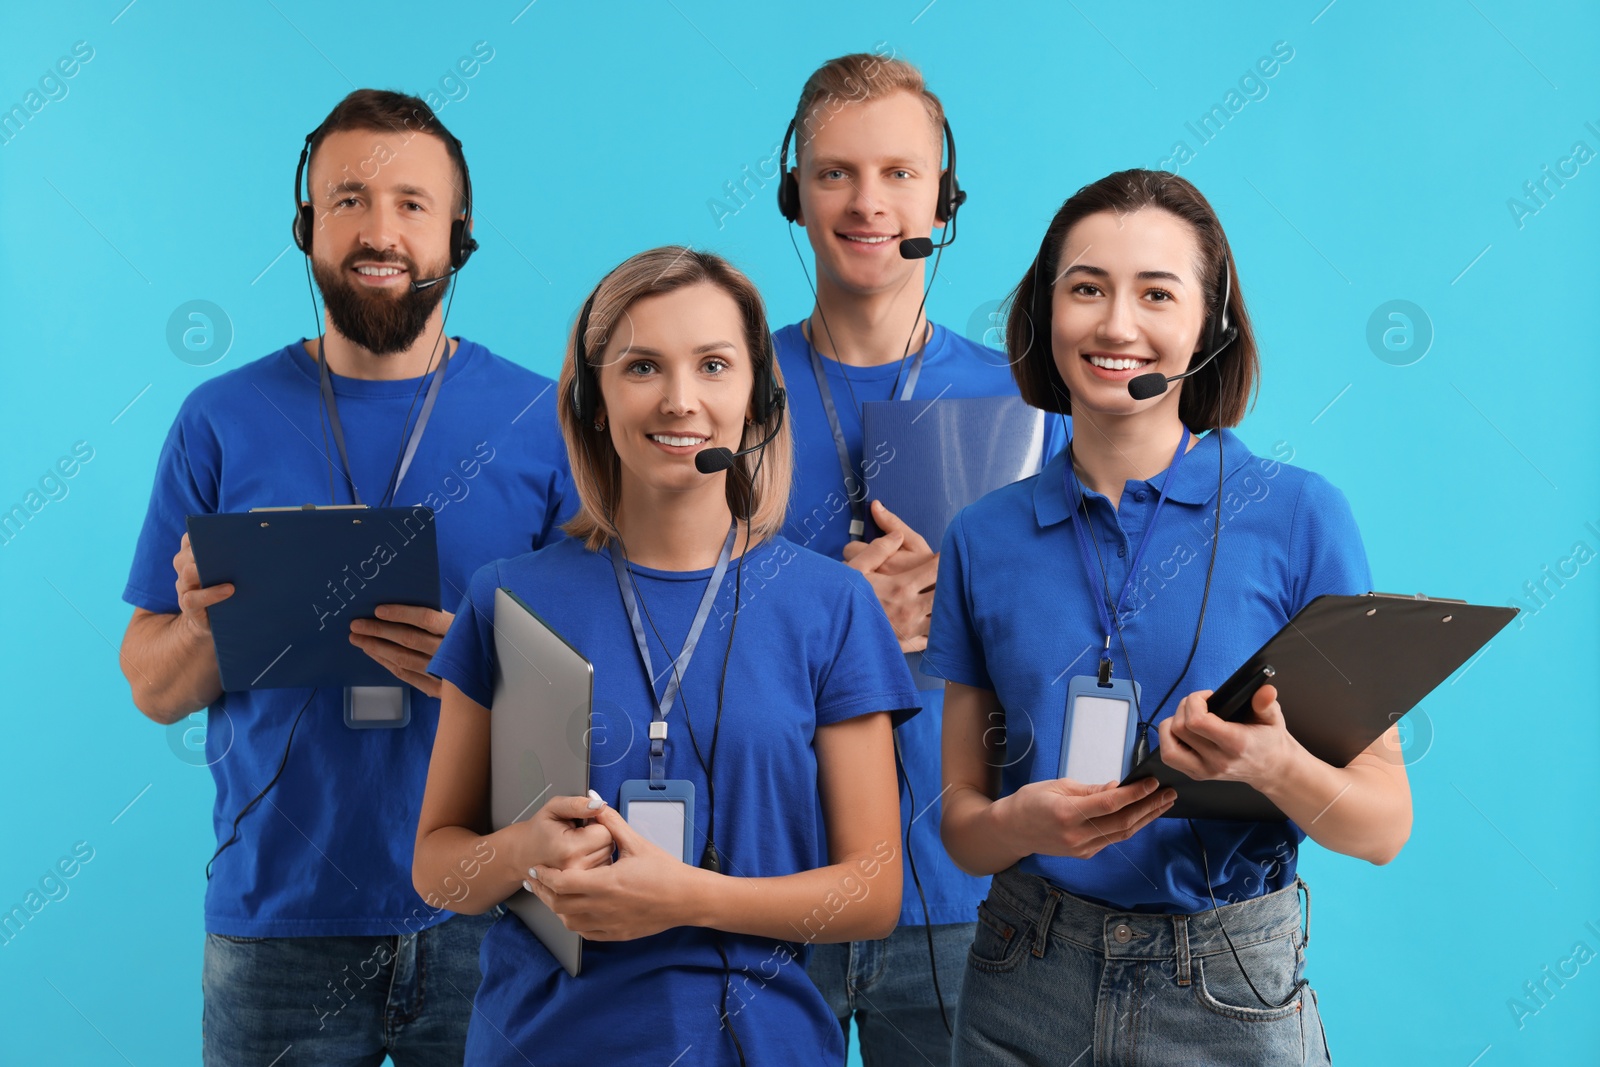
{"x":1378,"y":167}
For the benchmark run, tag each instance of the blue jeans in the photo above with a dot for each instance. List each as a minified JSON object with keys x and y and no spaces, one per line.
{"x":887,"y":988}
{"x":1054,"y":979}
{"x":342,"y":1000}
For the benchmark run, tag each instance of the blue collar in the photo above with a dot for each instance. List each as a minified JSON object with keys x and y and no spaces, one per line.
{"x":1196,"y":482}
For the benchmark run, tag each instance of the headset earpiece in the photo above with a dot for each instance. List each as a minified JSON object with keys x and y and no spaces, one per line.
{"x":788,"y":186}
{"x":950,"y":195}
{"x":1220,"y":331}
{"x":305,"y":216}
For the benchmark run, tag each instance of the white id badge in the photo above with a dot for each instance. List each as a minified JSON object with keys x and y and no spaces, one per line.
{"x":663,"y":815}
{"x":1097,"y":738}
{"x":368,"y":707}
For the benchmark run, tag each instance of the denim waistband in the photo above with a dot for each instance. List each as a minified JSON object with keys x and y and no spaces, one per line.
{"x":1059,"y":915}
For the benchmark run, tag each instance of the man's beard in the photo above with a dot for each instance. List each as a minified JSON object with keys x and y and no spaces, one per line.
{"x":381,"y":322}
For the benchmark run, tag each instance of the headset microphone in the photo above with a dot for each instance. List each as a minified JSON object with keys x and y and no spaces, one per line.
{"x":1220,"y":333}
{"x":922,"y":247}
{"x":713,"y":460}
{"x":1146,"y":386}
{"x":429,"y":283}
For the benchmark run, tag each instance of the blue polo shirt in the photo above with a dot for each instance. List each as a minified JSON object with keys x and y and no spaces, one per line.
{"x":329,"y":850}
{"x":1016,"y":615}
{"x":819,"y":518}
{"x":812,"y":649}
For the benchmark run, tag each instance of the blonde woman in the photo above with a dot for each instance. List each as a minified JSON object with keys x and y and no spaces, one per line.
{"x":774,"y":670}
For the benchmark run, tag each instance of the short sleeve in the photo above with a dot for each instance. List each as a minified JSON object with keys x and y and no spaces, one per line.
{"x":868,"y":673}
{"x":185,"y":484}
{"x":561,"y":496}
{"x":955,"y":652}
{"x":1325,"y":548}
{"x":465,"y":657}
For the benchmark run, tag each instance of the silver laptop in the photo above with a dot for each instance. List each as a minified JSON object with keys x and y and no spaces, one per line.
{"x":538,"y":741}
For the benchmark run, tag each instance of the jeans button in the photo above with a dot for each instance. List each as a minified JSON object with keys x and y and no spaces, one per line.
{"x":1122,"y":933}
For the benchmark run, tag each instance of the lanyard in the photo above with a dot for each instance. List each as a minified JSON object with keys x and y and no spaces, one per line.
{"x":680,"y":666}
{"x":854,"y":491}
{"x":1103,"y":603}
{"x":416,"y":433}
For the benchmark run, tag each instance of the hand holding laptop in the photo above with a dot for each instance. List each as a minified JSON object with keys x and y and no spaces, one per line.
{"x":647,"y":890}
{"x":561,"y":836}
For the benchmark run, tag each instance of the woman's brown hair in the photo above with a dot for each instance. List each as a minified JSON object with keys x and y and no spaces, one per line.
{"x":1217,"y":396}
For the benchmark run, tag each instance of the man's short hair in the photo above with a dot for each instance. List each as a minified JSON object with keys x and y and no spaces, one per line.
{"x":390,"y":112}
{"x":855,"y":79}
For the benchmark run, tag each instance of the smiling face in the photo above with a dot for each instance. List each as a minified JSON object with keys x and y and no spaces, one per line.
{"x":869,"y":177}
{"x":1128,"y":300}
{"x":675,"y":378}
{"x":383,"y":201}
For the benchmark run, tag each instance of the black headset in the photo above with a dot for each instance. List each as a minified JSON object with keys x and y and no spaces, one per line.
{"x":1220,"y":332}
{"x":462,"y":244}
{"x":950,"y":195}
{"x":766,"y":398}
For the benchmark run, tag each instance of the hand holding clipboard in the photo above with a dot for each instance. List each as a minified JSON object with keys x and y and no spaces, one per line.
{"x":1347,"y":668}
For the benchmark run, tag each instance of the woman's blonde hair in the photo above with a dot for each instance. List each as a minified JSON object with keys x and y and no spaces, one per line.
{"x":762,"y":481}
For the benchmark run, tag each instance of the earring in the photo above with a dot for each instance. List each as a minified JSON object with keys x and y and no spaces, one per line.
{"x":600,"y":422}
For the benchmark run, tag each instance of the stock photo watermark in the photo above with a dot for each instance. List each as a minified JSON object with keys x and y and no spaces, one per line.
{"x":199,"y":332}
{"x":53,"y":485}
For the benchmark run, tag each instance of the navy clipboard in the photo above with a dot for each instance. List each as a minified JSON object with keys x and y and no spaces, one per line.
{"x":299,"y":576}
{"x":932,"y":458}
{"x":1346,"y":668}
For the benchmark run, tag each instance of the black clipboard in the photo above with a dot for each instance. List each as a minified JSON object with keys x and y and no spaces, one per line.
{"x":299,"y":576}
{"x":1346,"y":668}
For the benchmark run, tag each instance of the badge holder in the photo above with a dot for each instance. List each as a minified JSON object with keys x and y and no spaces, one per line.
{"x":662,"y":814}
{"x":377,"y":707}
{"x":1098,"y":737}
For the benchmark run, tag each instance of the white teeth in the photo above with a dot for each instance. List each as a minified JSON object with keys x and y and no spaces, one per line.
{"x":675,"y":441}
{"x":866,"y":240}
{"x":1107,"y":363}
{"x":378,"y":272}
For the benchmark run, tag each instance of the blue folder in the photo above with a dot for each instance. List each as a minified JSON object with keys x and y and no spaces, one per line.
{"x":932,"y":458}
{"x":299,"y":576}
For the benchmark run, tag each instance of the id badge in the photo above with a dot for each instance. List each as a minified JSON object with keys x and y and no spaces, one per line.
{"x":663,"y":816}
{"x":1097,"y":738}
{"x":377,"y":707}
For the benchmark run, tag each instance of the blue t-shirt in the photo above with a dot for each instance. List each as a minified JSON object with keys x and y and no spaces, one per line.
{"x":329,"y":850}
{"x":819,"y":518}
{"x":812,"y":649}
{"x":1016,"y":615}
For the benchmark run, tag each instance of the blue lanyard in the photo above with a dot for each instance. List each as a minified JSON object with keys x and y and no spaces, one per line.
{"x":1102,"y":602}
{"x":680,"y":665}
{"x":854,"y":491}
{"x":326,"y":384}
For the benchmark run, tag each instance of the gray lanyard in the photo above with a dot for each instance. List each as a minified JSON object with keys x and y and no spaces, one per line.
{"x":680,"y":665}
{"x":416,"y":433}
{"x":854,"y":491}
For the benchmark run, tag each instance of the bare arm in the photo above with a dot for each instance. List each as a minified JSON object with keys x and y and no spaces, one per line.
{"x":856,"y":897}
{"x":458,"y":864}
{"x":1058,"y":817}
{"x":1362,"y":810}
{"x":169,"y":660}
